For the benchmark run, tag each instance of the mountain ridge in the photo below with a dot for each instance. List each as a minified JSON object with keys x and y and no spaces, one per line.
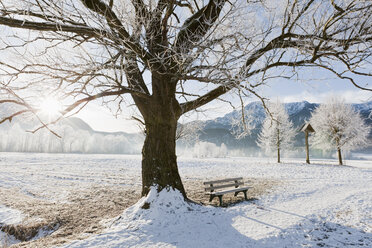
{"x":79,"y":137}
{"x":218,"y":130}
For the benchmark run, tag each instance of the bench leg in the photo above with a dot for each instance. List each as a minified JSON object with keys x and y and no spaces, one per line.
{"x":220,"y":198}
{"x":211,"y":197}
{"x":245,"y":194}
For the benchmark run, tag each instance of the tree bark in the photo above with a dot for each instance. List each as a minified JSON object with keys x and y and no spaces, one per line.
{"x":159,"y":160}
{"x":339,"y":156}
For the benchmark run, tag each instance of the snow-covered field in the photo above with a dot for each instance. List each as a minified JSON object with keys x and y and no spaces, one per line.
{"x":317,"y":205}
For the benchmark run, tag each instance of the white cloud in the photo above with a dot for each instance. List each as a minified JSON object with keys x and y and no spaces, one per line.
{"x":350,"y":96}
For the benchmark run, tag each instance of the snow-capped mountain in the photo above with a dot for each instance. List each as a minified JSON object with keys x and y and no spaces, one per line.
{"x":219,"y":130}
{"x":79,"y":137}
{"x":298,"y":111}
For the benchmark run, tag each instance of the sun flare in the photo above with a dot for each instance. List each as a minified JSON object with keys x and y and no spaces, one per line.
{"x":50,"y":106}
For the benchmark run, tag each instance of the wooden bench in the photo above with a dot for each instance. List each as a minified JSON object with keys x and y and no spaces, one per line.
{"x":235,"y":185}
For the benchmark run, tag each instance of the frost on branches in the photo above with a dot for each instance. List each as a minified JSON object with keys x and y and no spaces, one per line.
{"x":277,"y":131}
{"x":170,"y":58}
{"x":338,"y":126}
{"x":241,"y":125}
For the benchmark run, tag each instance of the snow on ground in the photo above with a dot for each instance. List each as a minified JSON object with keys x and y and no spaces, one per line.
{"x":9,"y":216}
{"x":317,"y":205}
{"x":53,"y":176}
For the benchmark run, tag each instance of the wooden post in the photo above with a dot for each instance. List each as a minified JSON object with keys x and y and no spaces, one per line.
{"x":339,"y":156}
{"x":307,"y":128}
{"x":278,"y":145}
{"x":307,"y":147}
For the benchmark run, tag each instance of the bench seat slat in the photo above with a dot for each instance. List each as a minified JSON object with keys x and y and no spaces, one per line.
{"x":224,"y":186}
{"x":228,"y":191}
{"x":224,"y":180}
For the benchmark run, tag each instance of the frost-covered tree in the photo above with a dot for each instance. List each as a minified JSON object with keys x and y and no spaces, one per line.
{"x":338,"y":126}
{"x":241,"y":126}
{"x":209,"y":150}
{"x":189,"y":133}
{"x":277,"y":131}
{"x":170,"y":57}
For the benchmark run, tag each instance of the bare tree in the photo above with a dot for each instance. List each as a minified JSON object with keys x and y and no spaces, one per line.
{"x":338,"y":126}
{"x":189,"y":133}
{"x":277,"y":131}
{"x":241,"y":126}
{"x":171,"y":57}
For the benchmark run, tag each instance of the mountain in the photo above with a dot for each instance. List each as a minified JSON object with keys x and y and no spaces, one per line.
{"x":77,"y":124}
{"x":79,"y":137}
{"x":76,"y":137}
{"x":219,"y":130}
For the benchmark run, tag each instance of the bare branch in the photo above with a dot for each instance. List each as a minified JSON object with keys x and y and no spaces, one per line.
{"x":206,"y":98}
{"x":43,"y":26}
{"x":198,"y":25}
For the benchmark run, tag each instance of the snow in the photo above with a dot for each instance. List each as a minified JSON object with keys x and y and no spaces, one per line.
{"x":364,"y":107}
{"x":33,"y":173}
{"x":77,"y":137}
{"x":295,"y":107}
{"x":338,"y":126}
{"x":9,"y":216}
{"x":316,"y":205}
{"x":169,"y":222}
{"x":257,"y":113}
{"x":277,"y":133}
{"x":45,"y":231}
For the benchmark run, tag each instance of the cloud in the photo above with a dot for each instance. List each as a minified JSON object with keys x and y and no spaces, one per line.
{"x":350,"y":96}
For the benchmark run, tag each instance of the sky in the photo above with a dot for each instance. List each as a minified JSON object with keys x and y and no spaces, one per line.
{"x":314,"y":91}
{"x":314,"y":86}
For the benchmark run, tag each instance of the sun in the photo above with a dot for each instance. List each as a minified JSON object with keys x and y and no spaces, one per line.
{"x":50,"y":107}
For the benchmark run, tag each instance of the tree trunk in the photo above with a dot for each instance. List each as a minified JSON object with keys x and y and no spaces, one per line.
{"x":307,"y":147}
{"x":159,"y":160}
{"x":278,"y":144}
{"x":339,"y":156}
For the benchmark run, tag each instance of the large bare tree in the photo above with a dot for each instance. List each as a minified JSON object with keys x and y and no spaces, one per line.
{"x":171,"y":56}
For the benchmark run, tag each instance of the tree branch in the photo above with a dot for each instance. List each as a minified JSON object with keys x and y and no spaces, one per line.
{"x":115,"y":24}
{"x":204,"y":99}
{"x":54,"y":27}
{"x":104,"y":94}
{"x":198,"y":25}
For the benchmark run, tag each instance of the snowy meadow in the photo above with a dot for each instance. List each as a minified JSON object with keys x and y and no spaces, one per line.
{"x":72,"y":200}
{"x":164,"y":65}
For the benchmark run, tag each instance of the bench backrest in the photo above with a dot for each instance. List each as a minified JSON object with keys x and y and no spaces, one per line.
{"x":224,"y":183}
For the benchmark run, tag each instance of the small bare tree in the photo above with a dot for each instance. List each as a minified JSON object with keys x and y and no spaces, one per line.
{"x":171,"y":57}
{"x":338,"y":126}
{"x":189,"y":133}
{"x":277,"y":131}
